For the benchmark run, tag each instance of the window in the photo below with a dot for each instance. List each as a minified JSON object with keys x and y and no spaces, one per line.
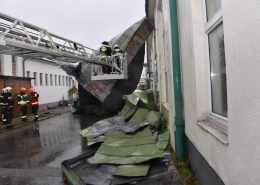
{"x":63,"y":80}
{"x":46,"y":79}
{"x":14,"y":66}
{"x":1,"y":64}
{"x":35,"y":78}
{"x":28,"y":74}
{"x":69,"y":81}
{"x":66,"y":81}
{"x":59,"y":81}
{"x":51,"y":79}
{"x":55,"y":78}
{"x":41,"y":79}
{"x":218,"y":107}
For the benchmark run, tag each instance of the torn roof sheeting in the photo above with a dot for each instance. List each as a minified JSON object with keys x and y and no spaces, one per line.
{"x":120,"y":148}
{"x":128,"y":110}
{"x":131,"y":42}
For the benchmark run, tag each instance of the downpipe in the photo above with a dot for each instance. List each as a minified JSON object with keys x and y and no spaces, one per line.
{"x":177,"y":81}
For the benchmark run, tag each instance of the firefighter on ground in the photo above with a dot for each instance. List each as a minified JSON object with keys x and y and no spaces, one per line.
{"x":9,"y":102}
{"x":35,"y":103}
{"x":116,"y":53}
{"x":22,"y":100}
{"x":3,"y":107}
{"x":105,"y":49}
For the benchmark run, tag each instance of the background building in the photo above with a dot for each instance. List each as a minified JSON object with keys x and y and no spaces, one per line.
{"x":48,"y":79}
{"x":219,"y":45}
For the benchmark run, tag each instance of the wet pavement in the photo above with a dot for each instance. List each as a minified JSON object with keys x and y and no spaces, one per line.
{"x":33,"y":154}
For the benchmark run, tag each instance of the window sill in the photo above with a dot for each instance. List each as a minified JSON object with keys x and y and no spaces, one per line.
{"x":166,"y":105}
{"x":219,"y":135}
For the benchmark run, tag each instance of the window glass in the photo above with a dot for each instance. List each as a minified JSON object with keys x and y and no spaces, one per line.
{"x":51,"y":80}
{"x":55,"y":80}
{"x":28,"y":74}
{"x":14,"y":66}
{"x":46,"y":79}
{"x":41,"y":79}
{"x":212,"y":7}
{"x":218,"y":71}
{"x":59,"y":81}
{"x":35,"y":78}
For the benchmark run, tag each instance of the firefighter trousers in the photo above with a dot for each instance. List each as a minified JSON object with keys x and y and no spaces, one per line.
{"x":24,"y":112}
{"x":35,"y":112}
{"x":4,"y":115}
{"x":9,"y":116}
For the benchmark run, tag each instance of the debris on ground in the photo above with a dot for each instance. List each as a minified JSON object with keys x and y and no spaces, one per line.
{"x":134,"y":151}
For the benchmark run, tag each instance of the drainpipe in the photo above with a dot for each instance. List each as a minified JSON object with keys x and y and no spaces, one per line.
{"x":24,"y":67}
{"x":177,"y":81}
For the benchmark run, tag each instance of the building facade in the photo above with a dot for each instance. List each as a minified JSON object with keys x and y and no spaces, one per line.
{"x":48,"y":79}
{"x":219,"y":45}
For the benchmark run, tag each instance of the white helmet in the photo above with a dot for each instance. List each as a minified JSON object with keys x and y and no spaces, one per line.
{"x":116,"y":46}
{"x":3,"y":90}
{"x":8,"y":89}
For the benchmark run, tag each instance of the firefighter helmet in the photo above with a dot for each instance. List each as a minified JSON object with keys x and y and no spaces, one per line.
{"x":23,"y":89}
{"x":116,"y":46}
{"x":32,"y":90}
{"x":105,"y":42}
{"x":3,"y":90}
{"x":8,"y":89}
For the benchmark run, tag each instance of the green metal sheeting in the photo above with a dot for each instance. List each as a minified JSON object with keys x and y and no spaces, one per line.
{"x":120,"y":148}
{"x":133,"y":170}
{"x":139,"y":116}
{"x":136,"y":96}
{"x":87,"y":133}
{"x":128,"y":110}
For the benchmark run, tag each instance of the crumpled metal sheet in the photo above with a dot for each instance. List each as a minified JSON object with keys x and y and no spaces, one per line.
{"x":102,"y":176}
{"x":128,"y":110}
{"x":87,"y":133}
{"x":163,"y":140}
{"x":100,"y":127}
{"x":131,"y":41}
{"x":117,"y":150}
{"x":126,"y":180}
{"x":139,"y":116}
{"x":133,"y":98}
{"x":130,"y":127}
{"x":133,"y":170}
{"x":153,"y":117}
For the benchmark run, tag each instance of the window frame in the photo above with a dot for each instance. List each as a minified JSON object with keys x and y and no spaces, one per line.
{"x":210,"y":25}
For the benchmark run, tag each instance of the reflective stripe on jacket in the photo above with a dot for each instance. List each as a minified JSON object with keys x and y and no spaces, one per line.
{"x":22,"y":99}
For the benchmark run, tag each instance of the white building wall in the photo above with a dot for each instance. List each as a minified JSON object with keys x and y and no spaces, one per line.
{"x":162,"y":47}
{"x":49,"y":94}
{"x":237,"y":162}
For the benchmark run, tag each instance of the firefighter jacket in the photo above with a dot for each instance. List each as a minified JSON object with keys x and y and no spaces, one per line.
{"x":22,"y":99}
{"x":2,"y":100}
{"x":9,"y":101}
{"x":35,"y":99}
{"x":106,"y":50}
{"x":117,"y":51}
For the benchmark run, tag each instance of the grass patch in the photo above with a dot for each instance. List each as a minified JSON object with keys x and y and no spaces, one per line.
{"x":188,"y":176}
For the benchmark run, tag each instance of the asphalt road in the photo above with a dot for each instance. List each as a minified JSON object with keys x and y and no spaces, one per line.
{"x":33,"y":154}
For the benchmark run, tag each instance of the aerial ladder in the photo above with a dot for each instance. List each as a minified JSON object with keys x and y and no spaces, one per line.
{"x":26,"y":40}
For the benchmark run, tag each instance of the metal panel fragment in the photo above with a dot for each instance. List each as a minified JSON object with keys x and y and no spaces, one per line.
{"x":87,"y":133}
{"x":133,"y":170}
{"x":163,"y":140}
{"x":100,"y":127}
{"x":128,"y":110}
{"x":153,"y":117}
{"x":102,"y":176}
{"x":139,"y":116}
{"x":116,"y":149}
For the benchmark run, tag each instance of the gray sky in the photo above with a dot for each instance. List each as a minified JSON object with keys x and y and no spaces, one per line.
{"x":85,"y":21}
